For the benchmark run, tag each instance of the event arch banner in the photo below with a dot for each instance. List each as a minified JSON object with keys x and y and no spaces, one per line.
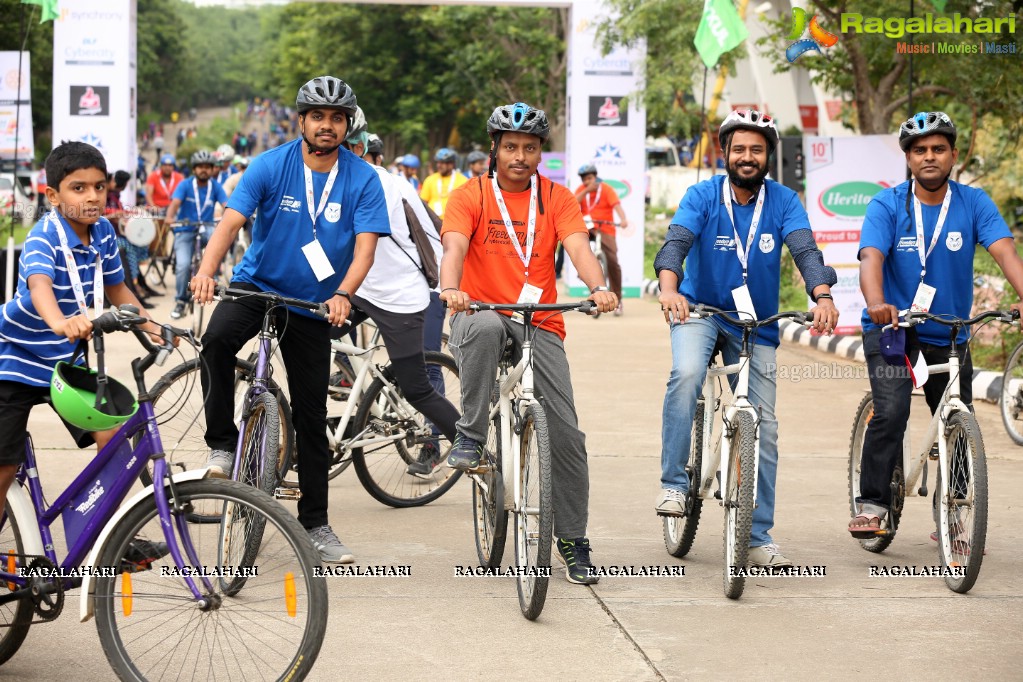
{"x":842,"y":175}
{"x":15,"y":107}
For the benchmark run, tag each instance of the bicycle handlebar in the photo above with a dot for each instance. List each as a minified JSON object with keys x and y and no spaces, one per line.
{"x":230,"y":294}
{"x":580,"y":306}
{"x":914,"y":318}
{"x":127,"y":319}
{"x":702,"y":310}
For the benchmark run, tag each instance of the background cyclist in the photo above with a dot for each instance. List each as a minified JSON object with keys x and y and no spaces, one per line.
{"x":437,"y":187}
{"x":476,"y":164}
{"x":598,"y":200}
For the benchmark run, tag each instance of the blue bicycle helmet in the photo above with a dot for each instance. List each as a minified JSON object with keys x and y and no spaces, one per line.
{"x":445,"y":155}
{"x":519,"y":118}
{"x":410,"y":161}
{"x":167,"y":158}
{"x":926,"y":123}
{"x":587,"y":169}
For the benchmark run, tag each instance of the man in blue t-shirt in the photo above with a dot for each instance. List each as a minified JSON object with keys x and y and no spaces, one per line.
{"x":321,"y":210}
{"x":731,"y":229}
{"x":193,"y":202}
{"x":919,"y":235}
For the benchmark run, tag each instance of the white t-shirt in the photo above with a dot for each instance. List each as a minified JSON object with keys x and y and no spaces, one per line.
{"x":395,"y":282}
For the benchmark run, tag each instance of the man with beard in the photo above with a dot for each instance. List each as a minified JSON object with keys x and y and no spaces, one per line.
{"x":917,"y":243}
{"x":195,"y":200}
{"x":731,"y":228}
{"x":319,"y":211}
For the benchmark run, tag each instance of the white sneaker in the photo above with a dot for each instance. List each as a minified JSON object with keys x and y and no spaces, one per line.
{"x":768,"y":556}
{"x":671,"y":503}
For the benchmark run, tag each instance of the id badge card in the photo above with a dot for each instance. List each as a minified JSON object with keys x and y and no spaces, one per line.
{"x":318,"y":260}
{"x":530,"y":294}
{"x":923,"y":299}
{"x":744,"y":303}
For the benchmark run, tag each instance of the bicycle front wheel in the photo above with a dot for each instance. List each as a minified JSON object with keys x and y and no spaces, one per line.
{"x":490,"y":518}
{"x":680,"y":532}
{"x":534,"y":514}
{"x":738,"y":503}
{"x":864,"y":413}
{"x":1011,"y":399}
{"x":16,"y":616}
{"x":151,"y":627}
{"x":394,"y":436}
{"x":962,"y":503}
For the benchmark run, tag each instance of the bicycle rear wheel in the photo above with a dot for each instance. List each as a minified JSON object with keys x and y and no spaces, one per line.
{"x":864,"y":413}
{"x":534,"y":514}
{"x":151,"y":627}
{"x":962,"y":502}
{"x":738,"y":503}
{"x":258,"y":468}
{"x":15,"y":617}
{"x":382,"y":466}
{"x":1011,"y":399}
{"x":680,"y":532}
{"x":490,"y":518}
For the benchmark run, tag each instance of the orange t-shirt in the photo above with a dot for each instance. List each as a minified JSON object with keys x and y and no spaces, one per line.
{"x":599,"y":206}
{"x":493,"y":271}
{"x":163,"y":189}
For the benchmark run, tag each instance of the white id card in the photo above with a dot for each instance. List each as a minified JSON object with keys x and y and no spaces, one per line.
{"x":744,"y":303}
{"x":318,"y":261}
{"x":530,"y":294}
{"x":923,"y":299}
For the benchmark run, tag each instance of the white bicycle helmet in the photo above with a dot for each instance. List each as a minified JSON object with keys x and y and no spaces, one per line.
{"x":749,"y":119}
{"x":225,"y":152}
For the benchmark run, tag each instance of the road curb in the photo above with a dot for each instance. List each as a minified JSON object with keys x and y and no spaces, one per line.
{"x":987,"y":385}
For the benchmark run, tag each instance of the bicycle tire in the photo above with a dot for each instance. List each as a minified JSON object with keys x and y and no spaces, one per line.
{"x":382,"y":468}
{"x":680,"y":532}
{"x":257,"y":627}
{"x":738,"y":504}
{"x":490,"y":517}
{"x":1010,"y":402}
{"x":864,"y":413}
{"x":963,"y":534}
{"x":534,"y":529}
{"x":15,"y":617}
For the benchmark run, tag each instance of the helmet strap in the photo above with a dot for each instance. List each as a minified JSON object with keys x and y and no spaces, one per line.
{"x":492,"y":168}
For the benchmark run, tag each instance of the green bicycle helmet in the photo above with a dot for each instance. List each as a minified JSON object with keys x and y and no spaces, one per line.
{"x":73,"y":392}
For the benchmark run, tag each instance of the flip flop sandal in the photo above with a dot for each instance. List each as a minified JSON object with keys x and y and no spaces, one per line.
{"x":868,"y":531}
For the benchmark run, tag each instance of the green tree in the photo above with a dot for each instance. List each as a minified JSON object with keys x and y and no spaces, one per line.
{"x":166,"y":60}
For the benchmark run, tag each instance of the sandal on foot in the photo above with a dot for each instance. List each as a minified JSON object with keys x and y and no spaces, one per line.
{"x":865,"y":531}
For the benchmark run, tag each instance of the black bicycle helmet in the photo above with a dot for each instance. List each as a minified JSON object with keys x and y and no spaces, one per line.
{"x":375,"y":144}
{"x":926,"y":123}
{"x":519,"y":118}
{"x":204,"y":156}
{"x":749,"y":119}
{"x":326,"y":92}
{"x":587,"y":169}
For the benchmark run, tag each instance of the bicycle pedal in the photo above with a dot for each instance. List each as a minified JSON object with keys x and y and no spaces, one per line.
{"x":293,"y":494}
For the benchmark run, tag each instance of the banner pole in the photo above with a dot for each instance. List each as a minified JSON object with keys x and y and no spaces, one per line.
{"x":11,"y":264}
{"x":703,"y":124}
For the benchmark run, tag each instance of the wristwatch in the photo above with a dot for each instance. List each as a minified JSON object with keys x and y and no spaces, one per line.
{"x":824,"y":295}
{"x":342,"y":292}
{"x":600,"y":288}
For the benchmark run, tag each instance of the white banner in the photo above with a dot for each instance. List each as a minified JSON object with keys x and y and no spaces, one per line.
{"x":605,"y":132}
{"x":842,"y":175}
{"x":94,"y":72}
{"x":15,"y":126}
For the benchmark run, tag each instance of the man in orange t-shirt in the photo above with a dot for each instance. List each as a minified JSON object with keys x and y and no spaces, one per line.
{"x":598,"y":200}
{"x":160,"y":184}
{"x":482,"y":263}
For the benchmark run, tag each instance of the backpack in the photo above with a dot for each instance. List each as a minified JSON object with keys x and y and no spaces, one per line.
{"x":421,"y":239}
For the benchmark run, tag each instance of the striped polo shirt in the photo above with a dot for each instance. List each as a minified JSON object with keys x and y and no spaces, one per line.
{"x":28,"y":349}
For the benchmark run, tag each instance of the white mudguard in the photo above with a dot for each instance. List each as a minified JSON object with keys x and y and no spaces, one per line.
{"x":87,"y":607}
{"x":21,"y":507}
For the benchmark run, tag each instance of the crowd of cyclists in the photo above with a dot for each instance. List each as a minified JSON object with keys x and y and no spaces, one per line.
{"x":329,"y":223}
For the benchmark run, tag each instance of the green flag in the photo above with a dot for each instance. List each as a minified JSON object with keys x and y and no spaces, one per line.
{"x":721,"y":29}
{"x":49,"y":8}
{"x":939,"y":4}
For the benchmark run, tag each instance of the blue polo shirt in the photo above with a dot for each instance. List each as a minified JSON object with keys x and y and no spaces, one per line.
{"x":28,"y":349}
{"x":891,"y":229}
{"x":209,"y":196}
{"x":274,"y":185}
{"x":712,"y":266}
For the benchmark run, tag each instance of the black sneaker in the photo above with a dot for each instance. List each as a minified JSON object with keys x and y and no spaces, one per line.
{"x":465,"y":453}
{"x":429,"y":458}
{"x":179,"y":311}
{"x":575,"y":554}
{"x":142,"y":553}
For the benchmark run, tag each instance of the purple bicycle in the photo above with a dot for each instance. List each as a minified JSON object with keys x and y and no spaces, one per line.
{"x":173,"y":598}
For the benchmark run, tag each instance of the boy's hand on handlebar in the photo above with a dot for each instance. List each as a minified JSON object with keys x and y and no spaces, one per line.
{"x":825,"y":316}
{"x":457,"y":300}
{"x":883,"y":313}
{"x":605,"y":301}
{"x":203,"y":288}
{"x":338,"y":308}
{"x":75,"y":328}
{"x":674,"y":306}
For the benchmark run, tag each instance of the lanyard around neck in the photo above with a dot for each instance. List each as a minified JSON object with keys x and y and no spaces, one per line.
{"x":918,"y":215}
{"x":313,"y":216}
{"x":590,"y":204}
{"x":527,"y":254}
{"x":72,"y":272}
{"x":743,"y":253}
{"x":205,"y":204}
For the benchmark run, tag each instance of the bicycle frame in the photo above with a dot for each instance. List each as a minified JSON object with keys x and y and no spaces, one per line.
{"x":517,"y":379}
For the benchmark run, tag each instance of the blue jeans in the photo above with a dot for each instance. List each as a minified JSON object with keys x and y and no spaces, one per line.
{"x":184,"y":247}
{"x":691,"y":346}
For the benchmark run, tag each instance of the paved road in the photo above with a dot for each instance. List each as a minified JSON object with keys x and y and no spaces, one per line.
{"x":846,"y":625}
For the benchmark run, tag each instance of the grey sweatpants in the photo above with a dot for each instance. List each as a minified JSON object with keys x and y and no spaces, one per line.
{"x":477,"y":342}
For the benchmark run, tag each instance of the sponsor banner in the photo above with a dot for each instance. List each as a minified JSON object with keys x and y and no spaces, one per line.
{"x":15,"y":125}
{"x":552,"y":166}
{"x":94,"y":79}
{"x":606,"y":132}
{"x":842,"y":175}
